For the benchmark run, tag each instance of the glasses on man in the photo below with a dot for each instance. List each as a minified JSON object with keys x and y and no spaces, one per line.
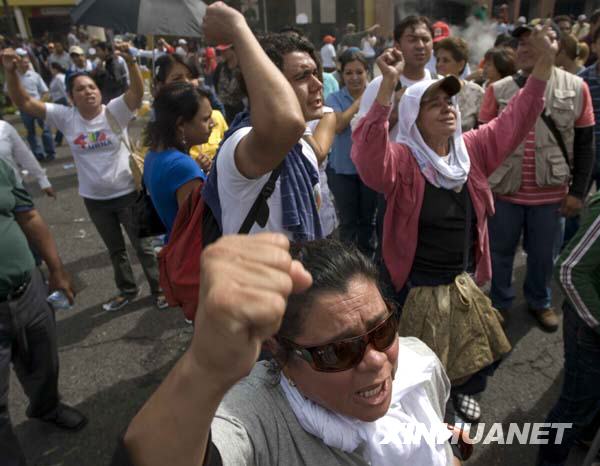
{"x":345,"y":354}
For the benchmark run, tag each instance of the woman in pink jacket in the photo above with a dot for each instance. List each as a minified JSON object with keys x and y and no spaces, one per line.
{"x":435,"y":231}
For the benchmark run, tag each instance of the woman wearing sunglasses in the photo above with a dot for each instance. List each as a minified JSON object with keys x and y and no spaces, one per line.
{"x":435,"y":239}
{"x":338,"y":391}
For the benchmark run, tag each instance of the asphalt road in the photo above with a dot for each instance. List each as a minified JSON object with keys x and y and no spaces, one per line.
{"x":111,"y":362}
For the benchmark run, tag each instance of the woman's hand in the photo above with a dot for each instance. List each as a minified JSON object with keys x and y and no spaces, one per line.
{"x":204,"y":162}
{"x":544,"y":41}
{"x":391,"y":65}
{"x":246,"y":281}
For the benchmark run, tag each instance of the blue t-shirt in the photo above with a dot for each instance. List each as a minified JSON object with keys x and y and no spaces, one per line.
{"x":339,"y":158}
{"x":164,"y":173}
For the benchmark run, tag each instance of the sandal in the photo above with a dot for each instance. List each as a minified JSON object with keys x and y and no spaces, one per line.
{"x":118,"y":302}
{"x":467,"y":407}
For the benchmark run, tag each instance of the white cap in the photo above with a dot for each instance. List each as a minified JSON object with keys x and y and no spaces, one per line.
{"x":21,"y":52}
{"x":581,"y":18}
{"x":182,"y":42}
{"x":522,"y":20}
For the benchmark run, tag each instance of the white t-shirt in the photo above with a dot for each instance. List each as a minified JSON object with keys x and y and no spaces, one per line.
{"x":370,"y":94}
{"x":238,"y":193}
{"x":328,"y":56}
{"x":367,"y":46}
{"x":102,"y":161}
{"x":17,"y":154}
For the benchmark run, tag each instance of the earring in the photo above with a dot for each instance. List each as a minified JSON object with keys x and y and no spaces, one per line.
{"x":184,"y":142}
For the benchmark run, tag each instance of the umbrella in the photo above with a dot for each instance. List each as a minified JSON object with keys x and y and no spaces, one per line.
{"x":158,"y":17}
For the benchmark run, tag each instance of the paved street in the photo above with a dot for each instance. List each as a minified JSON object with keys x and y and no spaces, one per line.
{"x":111,"y":362}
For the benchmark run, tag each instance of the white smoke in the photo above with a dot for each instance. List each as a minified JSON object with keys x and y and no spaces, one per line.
{"x":479,"y":35}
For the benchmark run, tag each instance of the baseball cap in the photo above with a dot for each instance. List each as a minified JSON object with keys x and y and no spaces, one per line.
{"x":329,"y":39}
{"x":76,"y":50}
{"x":529,"y":27}
{"x":450,"y":85}
{"x":182,"y":42}
{"x":21,"y":52}
{"x":441,"y":30}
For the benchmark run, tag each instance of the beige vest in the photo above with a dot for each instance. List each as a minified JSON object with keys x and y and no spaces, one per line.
{"x":564,"y":102}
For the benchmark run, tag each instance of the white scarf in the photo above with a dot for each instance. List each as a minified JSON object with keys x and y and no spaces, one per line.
{"x":409,"y":407}
{"x":450,"y":174}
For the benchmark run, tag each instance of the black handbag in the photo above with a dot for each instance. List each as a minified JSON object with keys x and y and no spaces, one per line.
{"x":146,"y":220}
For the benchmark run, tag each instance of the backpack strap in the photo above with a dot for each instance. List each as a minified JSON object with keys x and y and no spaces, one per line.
{"x":259,"y":212}
{"x":546,"y":117}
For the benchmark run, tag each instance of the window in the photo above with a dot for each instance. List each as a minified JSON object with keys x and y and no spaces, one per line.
{"x":328,"y":11}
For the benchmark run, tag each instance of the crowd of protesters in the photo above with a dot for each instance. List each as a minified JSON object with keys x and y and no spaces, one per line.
{"x":382,"y":185}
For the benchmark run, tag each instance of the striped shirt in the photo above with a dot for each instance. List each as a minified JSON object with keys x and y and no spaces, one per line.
{"x":590,"y":76}
{"x":578,"y":267}
{"x":530,"y":193}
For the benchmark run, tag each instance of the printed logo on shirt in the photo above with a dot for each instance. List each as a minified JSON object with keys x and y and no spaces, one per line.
{"x":93,"y":140}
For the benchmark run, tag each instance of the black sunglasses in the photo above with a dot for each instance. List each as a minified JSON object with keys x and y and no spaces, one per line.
{"x":345,"y":354}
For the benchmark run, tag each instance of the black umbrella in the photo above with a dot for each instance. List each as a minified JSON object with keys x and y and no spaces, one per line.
{"x":158,"y":17}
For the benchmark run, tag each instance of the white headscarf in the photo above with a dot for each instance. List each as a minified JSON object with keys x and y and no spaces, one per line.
{"x":448,"y":174}
{"x":410,"y":406}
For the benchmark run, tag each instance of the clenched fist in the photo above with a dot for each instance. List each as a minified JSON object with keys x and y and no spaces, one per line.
{"x":244,"y":285}
{"x":222,"y":23}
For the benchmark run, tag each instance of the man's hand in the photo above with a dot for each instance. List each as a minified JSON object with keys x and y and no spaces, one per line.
{"x":50,"y":192}
{"x":60,"y":280}
{"x":9,"y":59}
{"x":245,"y":283}
{"x":373,"y":28}
{"x":571,"y":206}
{"x":221,"y":23}
{"x":391,"y":64}
{"x":122,"y":49}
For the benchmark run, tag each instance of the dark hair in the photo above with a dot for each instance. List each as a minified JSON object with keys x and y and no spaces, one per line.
{"x":351,"y":55}
{"x":595,"y":16}
{"x":411,"y":21}
{"x":58,"y":67}
{"x":560,"y":18}
{"x":293,"y":30}
{"x":173,"y":101}
{"x":277,"y":45}
{"x":332,"y":266}
{"x":71,"y":81}
{"x":165,"y":63}
{"x":457,"y":47}
{"x":570,"y":45}
{"x":104,"y":46}
{"x":504,"y":59}
{"x":505,"y":40}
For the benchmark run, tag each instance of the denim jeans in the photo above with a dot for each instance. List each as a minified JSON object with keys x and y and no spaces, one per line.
{"x":30,"y":122}
{"x":540,"y":226}
{"x":579,"y":400}
{"x":108,"y":216}
{"x":356,"y":205}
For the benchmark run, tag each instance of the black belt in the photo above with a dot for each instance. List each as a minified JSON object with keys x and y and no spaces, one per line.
{"x":17,"y":291}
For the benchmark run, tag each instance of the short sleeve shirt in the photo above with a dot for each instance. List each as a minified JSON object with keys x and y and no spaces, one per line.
{"x":164,"y":173}
{"x":17,"y":261}
{"x":101,"y":159}
{"x":237,"y":193}
{"x":339,"y":159}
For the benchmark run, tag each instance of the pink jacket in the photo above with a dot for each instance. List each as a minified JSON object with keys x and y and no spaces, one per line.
{"x":389,"y":168}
